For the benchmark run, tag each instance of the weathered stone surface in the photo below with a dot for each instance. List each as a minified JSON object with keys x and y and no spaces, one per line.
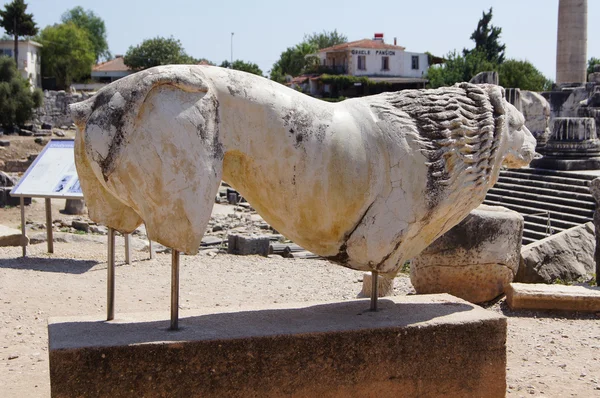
{"x":80,"y":225}
{"x":513,"y":96}
{"x":367,"y":183}
{"x":595,"y":191}
{"x":427,"y":346}
{"x":4,"y":143}
{"x":568,"y":256}
{"x":571,"y":53}
{"x":74,"y":207}
{"x":475,"y":260}
{"x":43,"y":133}
{"x":536,"y":110}
{"x":528,"y":296}
{"x":248,"y":245}
{"x":11,"y":237}
{"x":7,"y":200}
{"x":385,"y":286}
{"x":55,"y":109}
{"x":486,"y":78}
{"x":17,"y":166}
{"x":6,"y":180}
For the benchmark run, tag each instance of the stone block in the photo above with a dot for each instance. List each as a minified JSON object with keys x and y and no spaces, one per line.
{"x":486,"y":78}
{"x":526,"y":296}
{"x":475,"y":260}
{"x":74,"y":207}
{"x":536,"y":110}
{"x":433,"y":346}
{"x":6,"y":180}
{"x":11,"y":237}
{"x":568,"y":256}
{"x":385,"y":286}
{"x":7,"y":200}
{"x":80,"y":225}
{"x":247,"y":245}
{"x":17,"y":166}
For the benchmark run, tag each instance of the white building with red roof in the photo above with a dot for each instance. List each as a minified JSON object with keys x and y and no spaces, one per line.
{"x":109,"y":71}
{"x":375,"y":58}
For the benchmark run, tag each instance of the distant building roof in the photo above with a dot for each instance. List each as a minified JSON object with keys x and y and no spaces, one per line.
{"x":364,"y":43}
{"x":12,"y":42}
{"x":114,"y":65}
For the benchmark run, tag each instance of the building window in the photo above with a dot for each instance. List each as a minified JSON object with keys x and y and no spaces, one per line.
{"x":8,"y":53}
{"x":415,"y":62}
{"x":385,"y":63}
{"x":362,"y":62}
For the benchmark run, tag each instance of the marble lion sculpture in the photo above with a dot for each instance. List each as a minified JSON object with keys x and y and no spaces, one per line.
{"x":367,"y":183}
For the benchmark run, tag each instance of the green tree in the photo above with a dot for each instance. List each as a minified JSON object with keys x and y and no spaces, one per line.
{"x":243,"y":66}
{"x":93,"y":25}
{"x":591,"y":63}
{"x":294,"y":61}
{"x":458,"y":68}
{"x":17,"y":101}
{"x":17,"y":22}
{"x":486,"y":38}
{"x":67,"y":53}
{"x":523,"y":75}
{"x":155,"y":52}
{"x":325,"y":39}
{"x":302,"y":57}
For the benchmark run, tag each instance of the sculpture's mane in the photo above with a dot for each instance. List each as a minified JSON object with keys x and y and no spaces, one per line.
{"x":457,"y":128}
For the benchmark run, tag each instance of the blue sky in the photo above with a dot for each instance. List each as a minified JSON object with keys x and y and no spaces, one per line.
{"x":265,"y":28}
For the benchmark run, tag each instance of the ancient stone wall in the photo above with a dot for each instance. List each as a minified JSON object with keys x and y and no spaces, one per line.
{"x":55,"y":109}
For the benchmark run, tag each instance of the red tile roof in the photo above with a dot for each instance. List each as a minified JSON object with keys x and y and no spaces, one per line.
{"x":364,"y":43}
{"x":114,"y":65}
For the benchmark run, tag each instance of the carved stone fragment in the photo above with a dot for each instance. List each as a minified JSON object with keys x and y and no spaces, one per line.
{"x":367,"y":183}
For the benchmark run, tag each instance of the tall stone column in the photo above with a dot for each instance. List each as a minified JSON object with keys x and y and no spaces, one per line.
{"x":571,"y":53}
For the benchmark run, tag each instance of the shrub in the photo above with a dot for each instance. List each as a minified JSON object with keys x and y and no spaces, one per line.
{"x":17,"y":101}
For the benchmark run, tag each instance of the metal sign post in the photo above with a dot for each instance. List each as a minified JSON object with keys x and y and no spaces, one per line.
{"x":24,"y":235}
{"x":174,"y":289}
{"x":110,"y":279}
{"x":374,"y":289}
{"x":49,"y":231}
{"x":127,"y":248}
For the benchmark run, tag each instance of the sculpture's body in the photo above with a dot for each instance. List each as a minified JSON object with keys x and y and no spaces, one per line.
{"x":368,"y":182}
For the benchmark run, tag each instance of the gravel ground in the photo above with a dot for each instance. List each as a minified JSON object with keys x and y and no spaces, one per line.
{"x":548,"y":354}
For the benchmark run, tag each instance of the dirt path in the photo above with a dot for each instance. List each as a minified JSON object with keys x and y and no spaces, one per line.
{"x":547,"y":354}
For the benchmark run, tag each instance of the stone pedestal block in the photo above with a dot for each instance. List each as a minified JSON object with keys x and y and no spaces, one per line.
{"x":433,"y":346}
{"x":527,"y":296}
{"x":475,"y":260}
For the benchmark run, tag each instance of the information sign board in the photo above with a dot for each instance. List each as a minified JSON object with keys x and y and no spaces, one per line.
{"x":52,"y":174}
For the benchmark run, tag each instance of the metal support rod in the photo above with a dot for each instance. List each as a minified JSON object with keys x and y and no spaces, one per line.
{"x":49,"y":233}
{"x":127,"y":248}
{"x":24,"y":235}
{"x":374,"y":290}
{"x":174,"y":289}
{"x":110,"y":280}
{"x":151,"y":249}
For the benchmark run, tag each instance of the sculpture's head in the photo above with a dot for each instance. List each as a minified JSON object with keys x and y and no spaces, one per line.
{"x":521,"y":143}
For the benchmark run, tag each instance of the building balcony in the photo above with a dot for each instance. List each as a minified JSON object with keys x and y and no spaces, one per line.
{"x":329,"y":70}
